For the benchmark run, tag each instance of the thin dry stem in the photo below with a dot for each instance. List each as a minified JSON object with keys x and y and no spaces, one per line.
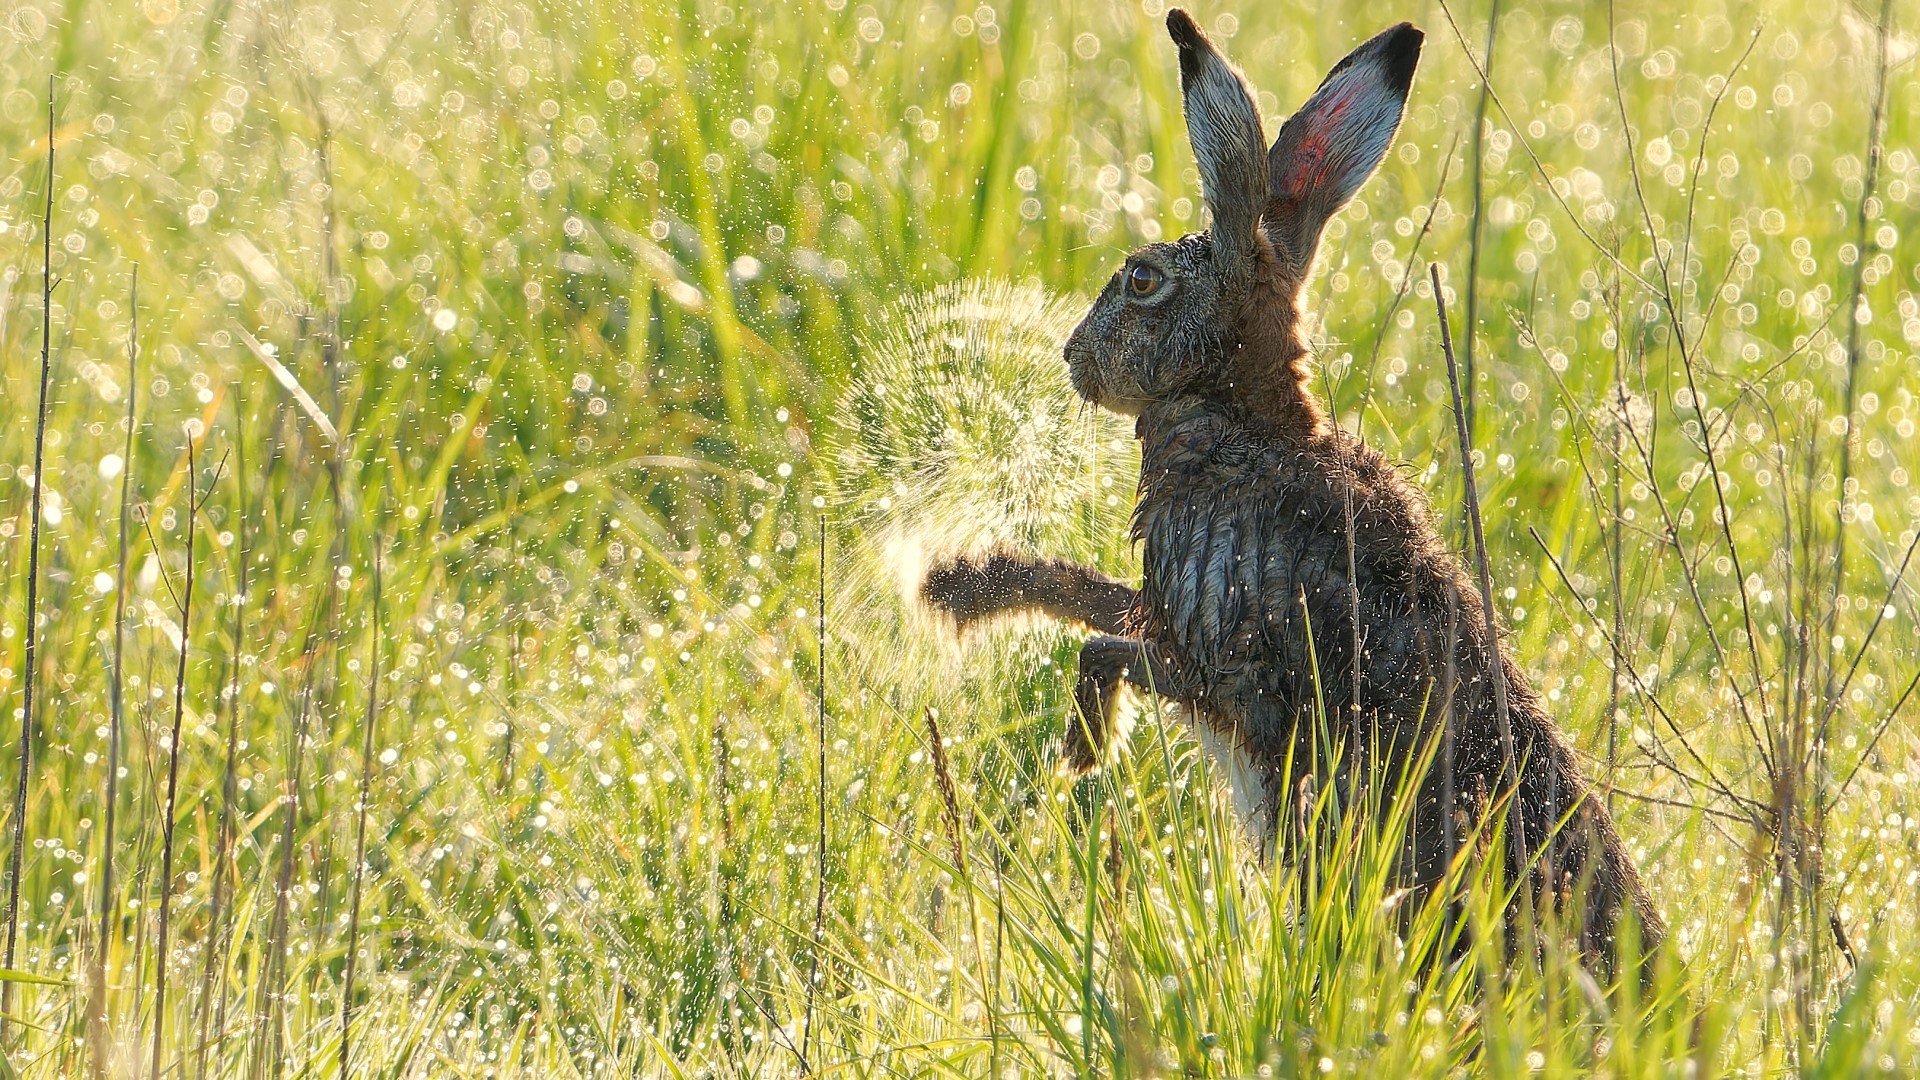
{"x":1400,"y":294}
{"x":1665,"y":292}
{"x":1709,"y":780}
{"x":1497,"y":672}
{"x":273,"y":978}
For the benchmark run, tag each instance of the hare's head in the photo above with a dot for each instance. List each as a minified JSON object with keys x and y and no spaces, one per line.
{"x":1216,"y":312}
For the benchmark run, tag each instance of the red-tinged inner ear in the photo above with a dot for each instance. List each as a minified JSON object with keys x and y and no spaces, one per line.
{"x":1326,"y":151}
{"x":1306,"y":168}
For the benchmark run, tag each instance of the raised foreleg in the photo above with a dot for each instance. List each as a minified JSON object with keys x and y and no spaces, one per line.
{"x":973,"y":588}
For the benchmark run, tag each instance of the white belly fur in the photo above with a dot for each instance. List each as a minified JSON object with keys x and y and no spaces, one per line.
{"x":1249,"y":783}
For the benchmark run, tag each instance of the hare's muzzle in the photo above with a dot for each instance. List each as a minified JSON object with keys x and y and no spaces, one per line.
{"x":1083,"y":368}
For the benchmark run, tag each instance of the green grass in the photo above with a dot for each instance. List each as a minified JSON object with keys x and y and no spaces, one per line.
{"x":596,"y":295}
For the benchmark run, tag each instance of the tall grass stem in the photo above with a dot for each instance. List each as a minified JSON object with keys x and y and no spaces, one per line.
{"x":820,"y":793}
{"x":1856,"y":294}
{"x":360,"y":819}
{"x":1478,"y":211}
{"x":116,"y":702}
{"x":168,"y":810}
{"x":33,"y":586}
{"x":213,"y":998}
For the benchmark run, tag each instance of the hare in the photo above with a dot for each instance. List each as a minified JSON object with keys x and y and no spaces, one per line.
{"x":1289,"y":568}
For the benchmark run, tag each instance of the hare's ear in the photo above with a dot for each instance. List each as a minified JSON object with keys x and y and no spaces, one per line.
{"x":1331,"y":146}
{"x":1224,"y":126}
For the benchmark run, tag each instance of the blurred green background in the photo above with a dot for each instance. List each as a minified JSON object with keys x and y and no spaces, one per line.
{"x":588,"y":293}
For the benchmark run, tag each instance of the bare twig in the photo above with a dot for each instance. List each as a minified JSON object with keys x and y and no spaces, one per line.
{"x":1839,"y":693}
{"x":1617,"y":581}
{"x":1539,"y":166}
{"x":1879,"y":731}
{"x":1690,"y":575}
{"x":273,"y":974}
{"x":1670,"y":538}
{"x":1693,"y":178}
{"x":1665,"y":292}
{"x":1710,"y":780}
{"x":1680,"y":804}
{"x":1496,"y":667}
{"x":1449,"y":783}
{"x":778,"y":1031}
{"x":517,"y":640}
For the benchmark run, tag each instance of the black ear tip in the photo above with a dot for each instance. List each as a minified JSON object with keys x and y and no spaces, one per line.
{"x":1405,"y":38}
{"x":1183,"y":30}
{"x":1193,"y":44}
{"x":1390,"y":55}
{"x":1400,"y":48}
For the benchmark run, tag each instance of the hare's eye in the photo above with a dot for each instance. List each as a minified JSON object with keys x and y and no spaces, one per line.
{"x":1143,"y":279}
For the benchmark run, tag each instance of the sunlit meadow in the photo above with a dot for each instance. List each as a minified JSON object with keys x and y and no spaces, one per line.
{"x":537,"y":370}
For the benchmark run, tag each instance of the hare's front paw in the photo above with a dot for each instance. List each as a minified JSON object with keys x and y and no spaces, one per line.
{"x":1079,"y":754}
{"x":1105,"y":663}
{"x":963,"y":589}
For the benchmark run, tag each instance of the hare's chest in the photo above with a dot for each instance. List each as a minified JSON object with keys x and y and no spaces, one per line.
{"x":1244,"y":579}
{"x":1203,"y":551}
